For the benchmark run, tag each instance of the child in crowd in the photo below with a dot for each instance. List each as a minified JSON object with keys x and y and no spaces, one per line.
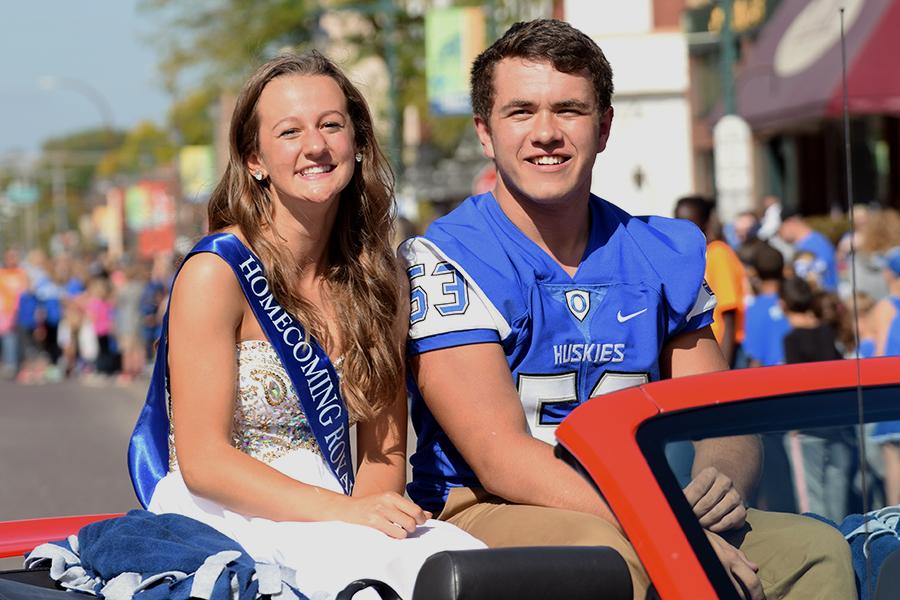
{"x":810,"y":339}
{"x":822,"y":460}
{"x":129,"y":321}
{"x":75,"y":337}
{"x":99,"y":310}
{"x":766,"y":327}
{"x":766,"y":324}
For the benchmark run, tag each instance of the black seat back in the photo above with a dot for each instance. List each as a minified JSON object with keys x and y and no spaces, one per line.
{"x":537,"y":573}
{"x":889,"y":578}
{"x":32,"y":584}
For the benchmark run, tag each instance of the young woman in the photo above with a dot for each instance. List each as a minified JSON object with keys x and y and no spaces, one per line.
{"x":287,"y":326}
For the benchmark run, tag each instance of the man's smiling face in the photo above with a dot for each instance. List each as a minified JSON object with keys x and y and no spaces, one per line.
{"x":544,"y":132}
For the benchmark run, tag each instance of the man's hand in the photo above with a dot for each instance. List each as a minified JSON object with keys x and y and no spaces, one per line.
{"x":716,"y":502}
{"x":740,"y":569}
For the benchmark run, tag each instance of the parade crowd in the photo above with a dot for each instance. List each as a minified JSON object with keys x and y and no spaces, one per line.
{"x":86,"y":316}
{"x":776,"y":276}
{"x":786,"y":295}
{"x":76,"y":314}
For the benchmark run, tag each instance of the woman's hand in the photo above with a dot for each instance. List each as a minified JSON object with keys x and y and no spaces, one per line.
{"x":388,"y":512}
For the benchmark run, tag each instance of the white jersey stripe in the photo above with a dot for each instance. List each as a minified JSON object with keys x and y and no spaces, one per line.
{"x":706,"y":301}
{"x":435,"y":284}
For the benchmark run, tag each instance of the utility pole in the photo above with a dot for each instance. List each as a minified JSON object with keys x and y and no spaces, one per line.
{"x":395,"y":144}
{"x":491,"y":8}
{"x":31,"y":226}
{"x":60,"y":210}
{"x":727,"y":58}
{"x":100,"y":102}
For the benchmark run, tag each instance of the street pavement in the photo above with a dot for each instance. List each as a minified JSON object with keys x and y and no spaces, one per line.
{"x":63,"y":448}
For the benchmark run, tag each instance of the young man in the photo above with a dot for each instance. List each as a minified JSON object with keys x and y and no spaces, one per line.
{"x":531,"y":299}
{"x":796,"y":231}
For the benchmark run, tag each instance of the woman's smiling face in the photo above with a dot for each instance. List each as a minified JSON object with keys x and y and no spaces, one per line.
{"x":306,"y":140}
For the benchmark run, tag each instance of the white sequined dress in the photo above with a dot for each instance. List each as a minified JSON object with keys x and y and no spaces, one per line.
{"x":324,"y":556}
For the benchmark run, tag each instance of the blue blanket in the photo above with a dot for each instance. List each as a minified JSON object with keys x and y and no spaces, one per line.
{"x":146,"y":556}
{"x":872,"y":537}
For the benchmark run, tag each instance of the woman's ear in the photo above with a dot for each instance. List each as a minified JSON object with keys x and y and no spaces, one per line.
{"x":255,"y":165}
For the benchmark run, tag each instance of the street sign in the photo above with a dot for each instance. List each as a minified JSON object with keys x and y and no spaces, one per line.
{"x":22,"y":194}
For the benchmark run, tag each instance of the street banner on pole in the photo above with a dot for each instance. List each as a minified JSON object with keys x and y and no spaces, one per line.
{"x":453,"y":38}
{"x":733,"y":151}
{"x":196,"y":168}
{"x":148,"y":205}
{"x":137,"y":207}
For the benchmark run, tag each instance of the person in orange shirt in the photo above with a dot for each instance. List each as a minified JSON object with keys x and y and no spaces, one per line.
{"x":724,"y":273}
{"x":13,"y":281}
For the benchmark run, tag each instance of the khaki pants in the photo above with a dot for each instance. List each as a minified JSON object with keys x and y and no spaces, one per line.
{"x":799,"y":558}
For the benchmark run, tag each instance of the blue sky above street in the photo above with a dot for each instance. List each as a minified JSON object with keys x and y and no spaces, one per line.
{"x":101,"y":45}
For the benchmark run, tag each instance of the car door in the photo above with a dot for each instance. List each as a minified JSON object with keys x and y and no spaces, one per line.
{"x":631,"y":446}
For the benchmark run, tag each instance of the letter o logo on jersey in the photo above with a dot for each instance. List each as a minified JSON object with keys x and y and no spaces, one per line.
{"x":579,"y":303}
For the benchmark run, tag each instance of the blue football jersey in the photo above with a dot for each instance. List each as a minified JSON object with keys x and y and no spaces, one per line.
{"x":476,"y":278}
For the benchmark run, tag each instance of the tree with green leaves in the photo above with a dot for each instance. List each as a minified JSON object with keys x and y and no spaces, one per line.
{"x":213,"y":45}
{"x":145,"y":148}
{"x":79,"y":153}
{"x":192,"y":119}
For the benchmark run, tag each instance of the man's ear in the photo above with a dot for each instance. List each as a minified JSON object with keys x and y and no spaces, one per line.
{"x":606,"y":120}
{"x":484,"y":136}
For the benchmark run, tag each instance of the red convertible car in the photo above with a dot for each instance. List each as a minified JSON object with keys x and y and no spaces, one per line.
{"x":619,"y":442}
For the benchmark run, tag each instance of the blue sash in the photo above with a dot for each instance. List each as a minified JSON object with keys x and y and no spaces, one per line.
{"x":306,"y":363}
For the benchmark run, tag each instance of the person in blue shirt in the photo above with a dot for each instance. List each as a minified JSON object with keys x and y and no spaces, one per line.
{"x":797,"y":232}
{"x":886,"y":323}
{"x":530,"y":299}
{"x":765,"y":325}
{"x":152,"y":295}
{"x":29,"y":318}
{"x":50,"y":296}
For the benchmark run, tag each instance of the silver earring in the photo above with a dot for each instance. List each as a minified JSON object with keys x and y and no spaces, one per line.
{"x":257,"y":174}
{"x":358,"y":157}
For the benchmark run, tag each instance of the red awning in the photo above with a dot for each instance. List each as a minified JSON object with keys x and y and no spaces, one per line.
{"x":793,"y":73}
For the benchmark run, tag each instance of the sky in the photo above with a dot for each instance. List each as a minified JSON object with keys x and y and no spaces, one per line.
{"x":99,"y":47}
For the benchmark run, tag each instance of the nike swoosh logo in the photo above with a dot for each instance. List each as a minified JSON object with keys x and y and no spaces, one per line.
{"x":622,"y":318}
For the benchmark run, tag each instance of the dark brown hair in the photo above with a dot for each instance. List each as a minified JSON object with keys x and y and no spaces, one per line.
{"x":542,"y":40}
{"x":361,"y":276}
{"x":768,"y":263}
{"x":798,"y":296}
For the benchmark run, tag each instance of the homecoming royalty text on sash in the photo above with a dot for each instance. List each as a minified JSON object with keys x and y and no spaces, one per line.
{"x":306,"y":363}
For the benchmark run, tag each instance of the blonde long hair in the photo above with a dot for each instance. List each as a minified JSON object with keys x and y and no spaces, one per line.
{"x":361,"y":277}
